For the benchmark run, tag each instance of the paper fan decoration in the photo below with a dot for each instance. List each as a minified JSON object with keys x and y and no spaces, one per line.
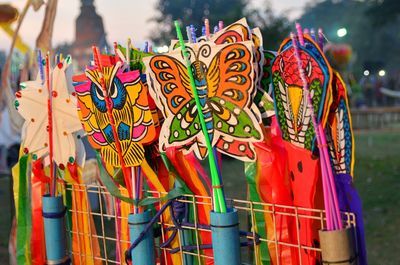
{"x":31,"y":103}
{"x":132,"y":116}
{"x":224,"y":79}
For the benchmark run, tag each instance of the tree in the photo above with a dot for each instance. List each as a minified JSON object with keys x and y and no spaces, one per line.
{"x":383,"y":12}
{"x":274,"y":28}
{"x":370,"y":44}
{"x":193,"y":12}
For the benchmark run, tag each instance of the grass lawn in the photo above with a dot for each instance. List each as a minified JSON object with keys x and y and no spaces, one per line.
{"x":377,"y":173}
{"x":377,"y":177}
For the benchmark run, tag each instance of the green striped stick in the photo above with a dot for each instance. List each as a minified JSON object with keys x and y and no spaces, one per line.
{"x":218,"y":197}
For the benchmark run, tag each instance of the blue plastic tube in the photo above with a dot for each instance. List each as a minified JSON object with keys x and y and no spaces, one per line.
{"x":225,"y":237}
{"x":143,"y":253}
{"x":54,"y":230}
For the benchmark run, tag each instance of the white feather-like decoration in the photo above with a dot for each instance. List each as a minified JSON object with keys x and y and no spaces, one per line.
{"x":288,"y":112}
{"x":341,"y":141}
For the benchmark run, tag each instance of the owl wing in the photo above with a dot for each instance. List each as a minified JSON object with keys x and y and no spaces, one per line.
{"x":86,"y":109}
{"x":144,"y":129}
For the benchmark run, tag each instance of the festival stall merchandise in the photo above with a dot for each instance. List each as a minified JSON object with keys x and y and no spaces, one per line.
{"x":152,"y":118}
{"x":51,"y":150}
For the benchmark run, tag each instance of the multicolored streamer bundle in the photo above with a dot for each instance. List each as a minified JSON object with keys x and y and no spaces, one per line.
{"x":51,"y":145}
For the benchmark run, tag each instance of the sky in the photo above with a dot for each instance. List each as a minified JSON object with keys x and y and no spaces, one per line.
{"x":121,"y":18}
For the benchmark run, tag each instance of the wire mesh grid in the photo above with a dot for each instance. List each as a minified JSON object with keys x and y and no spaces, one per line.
{"x":101,"y":211}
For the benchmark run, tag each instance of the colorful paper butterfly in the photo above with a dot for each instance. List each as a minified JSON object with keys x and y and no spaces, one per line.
{"x":224,"y":79}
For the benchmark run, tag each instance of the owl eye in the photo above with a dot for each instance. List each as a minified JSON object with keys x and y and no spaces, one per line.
{"x":113,"y":91}
{"x":99,"y":93}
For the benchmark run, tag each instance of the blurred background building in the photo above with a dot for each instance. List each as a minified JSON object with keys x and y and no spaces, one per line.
{"x":89,"y":30}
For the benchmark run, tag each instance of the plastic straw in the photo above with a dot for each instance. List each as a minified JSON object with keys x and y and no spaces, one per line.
{"x":193,"y":33}
{"x":216,"y":29}
{"x":115,"y":51}
{"x":220,"y":25}
{"x":40,"y":66}
{"x":134,"y":191}
{"x":314,"y":122}
{"x":50,"y":126}
{"x":128,"y":53}
{"x":138,"y":185}
{"x":189,"y":34}
{"x":207,"y":27}
{"x":312,"y":33}
{"x":321,"y":38}
{"x":218,"y":198}
{"x":300,"y":34}
{"x":329,"y":190}
{"x":330,"y":177}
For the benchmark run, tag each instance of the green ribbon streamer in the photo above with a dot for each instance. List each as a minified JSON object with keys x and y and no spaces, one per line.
{"x":110,"y":185}
{"x":251,"y":173}
{"x":68,"y":204}
{"x":24,"y":220}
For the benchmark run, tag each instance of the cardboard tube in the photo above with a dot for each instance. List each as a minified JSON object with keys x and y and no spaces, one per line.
{"x":225,"y":237}
{"x":54,"y":230}
{"x":143,"y":253}
{"x":337,"y":247}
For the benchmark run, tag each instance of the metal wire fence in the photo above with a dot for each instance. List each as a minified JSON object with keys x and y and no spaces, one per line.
{"x":101,"y":211}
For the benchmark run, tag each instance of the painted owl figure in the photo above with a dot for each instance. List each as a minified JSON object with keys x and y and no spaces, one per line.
{"x":133,"y":118}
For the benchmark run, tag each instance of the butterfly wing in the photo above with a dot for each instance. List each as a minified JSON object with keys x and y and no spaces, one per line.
{"x":172,"y":91}
{"x":230,"y":74}
{"x":230,"y":84}
{"x":236,"y":32}
{"x":238,"y":149}
{"x":231,"y":121}
{"x":171,"y":83}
